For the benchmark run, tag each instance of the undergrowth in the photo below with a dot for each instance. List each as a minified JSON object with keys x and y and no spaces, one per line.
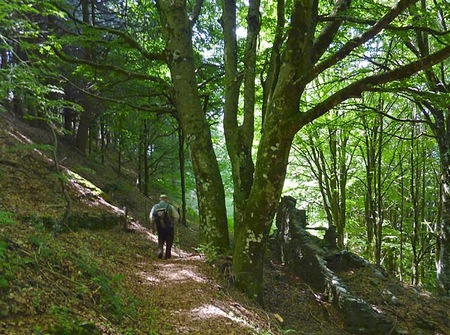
{"x":64,"y":280}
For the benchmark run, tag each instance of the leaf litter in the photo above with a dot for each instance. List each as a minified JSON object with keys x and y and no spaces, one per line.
{"x":105,"y":279}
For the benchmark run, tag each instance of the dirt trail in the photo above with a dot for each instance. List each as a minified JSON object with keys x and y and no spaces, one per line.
{"x":59,"y":281}
{"x":177,"y":296}
{"x":185,"y":292}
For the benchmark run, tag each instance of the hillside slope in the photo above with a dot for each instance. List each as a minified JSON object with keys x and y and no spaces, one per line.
{"x":95,"y":277}
{"x":101,"y":278}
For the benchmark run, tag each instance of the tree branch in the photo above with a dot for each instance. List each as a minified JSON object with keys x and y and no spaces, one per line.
{"x":122,"y":34}
{"x":132,"y":43}
{"x":329,"y":31}
{"x":355,"y":89}
{"x":390,"y":27}
{"x":145,"y":108}
{"x":195,"y":12}
{"x":358,"y":41}
{"x":106,"y":67}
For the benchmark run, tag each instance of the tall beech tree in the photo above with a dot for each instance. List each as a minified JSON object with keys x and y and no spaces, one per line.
{"x":177,"y":29}
{"x":309,"y":45}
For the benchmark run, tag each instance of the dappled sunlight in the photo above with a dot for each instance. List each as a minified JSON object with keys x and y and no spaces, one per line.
{"x":234,"y":313}
{"x":20,"y":137}
{"x":27,"y":141}
{"x":211,"y":311}
{"x":90,"y":193}
{"x":177,"y":253}
{"x":169,"y":272}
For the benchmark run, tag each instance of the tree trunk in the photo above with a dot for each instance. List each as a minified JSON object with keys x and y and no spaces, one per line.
{"x":180,"y":57}
{"x":378,"y":186}
{"x":270,"y":171}
{"x":239,"y":137}
{"x":443,"y":263}
{"x":102,"y":140}
{"x":402,"y":216}
{"x":414,"y":185}
{"x":181,"y":156}
{"x":142,"y":153}
{"x":343,"y":173}
{"x":437,"y":114}
{"x":282,"y":121}
{"x":369,"y":215}
{"x":82,"y":138}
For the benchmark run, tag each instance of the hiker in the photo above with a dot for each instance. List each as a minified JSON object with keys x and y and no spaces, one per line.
{"x":164,"y":215}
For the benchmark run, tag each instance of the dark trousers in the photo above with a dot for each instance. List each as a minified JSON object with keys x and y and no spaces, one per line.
{"x":165,"y":236}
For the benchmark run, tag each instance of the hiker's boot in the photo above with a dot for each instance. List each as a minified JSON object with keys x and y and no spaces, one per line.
{"x":168,"y":253}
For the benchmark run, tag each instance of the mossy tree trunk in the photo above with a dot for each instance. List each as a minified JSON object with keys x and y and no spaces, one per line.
{"x":298,"y":65}
{"x":177,"y":29}
{"x":240,"y":135}
{"x":251,"y":238}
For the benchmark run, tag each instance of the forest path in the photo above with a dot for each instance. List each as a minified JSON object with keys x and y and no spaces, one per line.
{"x":78,"y":282}
{"x":75,"y":280}
{"x":186,"y":296}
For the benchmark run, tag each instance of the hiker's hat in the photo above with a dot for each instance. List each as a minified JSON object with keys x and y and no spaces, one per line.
{"x":163,"y":197}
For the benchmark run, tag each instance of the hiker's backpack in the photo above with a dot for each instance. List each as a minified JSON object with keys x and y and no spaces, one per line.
{"x":162,"y":217}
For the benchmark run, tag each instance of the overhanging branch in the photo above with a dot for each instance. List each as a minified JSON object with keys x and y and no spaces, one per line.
{"x":107,"y":67}
{"x":122,"y":34}
{"x":355,"y":89}
{"x":145,"y":108}
{"x":359,"y":40}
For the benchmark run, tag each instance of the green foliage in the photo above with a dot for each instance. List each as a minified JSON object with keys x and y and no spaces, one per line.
{"x":4,"y":279}
{"x":86,"y":169}
{"x":376,"y":193}
{"x":112,"y":298}
{"x":210,"y":251}
{"x":70,"y":324}
{"x":42,"y":223}
{"x":5,"y":218}
{"x":108,"y":289}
